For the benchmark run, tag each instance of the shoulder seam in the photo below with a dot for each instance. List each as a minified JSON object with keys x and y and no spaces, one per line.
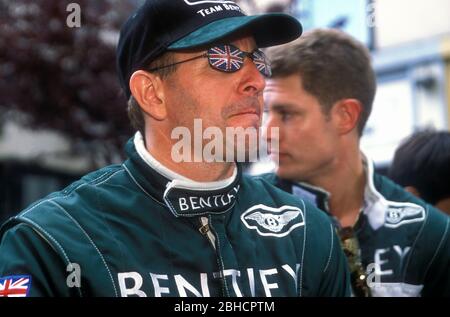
{"x":90,"y":240}
{"x":331,"y":249}
{"x":22,"y":214}
{"x":57,"y":244}
{"x":303,"y":251}
{"x":438,"y":248}
{"x":415,"y":242}
{"x":107,"y":179}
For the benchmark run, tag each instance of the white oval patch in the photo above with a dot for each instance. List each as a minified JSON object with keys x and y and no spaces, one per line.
{"x":274,"y":222}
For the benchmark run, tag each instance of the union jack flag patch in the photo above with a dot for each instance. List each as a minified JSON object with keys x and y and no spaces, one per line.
{"x":262,"y":63}
{"x":226,"y":58}
{"x":15,"y":286}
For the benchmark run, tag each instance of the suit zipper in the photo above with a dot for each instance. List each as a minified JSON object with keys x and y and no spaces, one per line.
{"x":206,"y":230}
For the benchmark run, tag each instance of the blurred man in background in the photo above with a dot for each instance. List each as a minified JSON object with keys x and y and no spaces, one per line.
{"x":320,"y":97}
{"x":422,"y":166}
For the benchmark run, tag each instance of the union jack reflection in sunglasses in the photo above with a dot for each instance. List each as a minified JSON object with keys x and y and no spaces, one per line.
{"x":352,"y":251}
{"x":228,"y":58}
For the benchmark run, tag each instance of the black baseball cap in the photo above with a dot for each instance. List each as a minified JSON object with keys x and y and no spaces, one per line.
{"x":169,"y":25}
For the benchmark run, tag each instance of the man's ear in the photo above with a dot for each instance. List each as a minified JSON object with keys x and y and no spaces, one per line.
{"x":148,"y":91}
{"x":347,"y":113}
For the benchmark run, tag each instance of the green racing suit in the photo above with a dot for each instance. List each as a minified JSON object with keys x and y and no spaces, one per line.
{"x":139,"y":229}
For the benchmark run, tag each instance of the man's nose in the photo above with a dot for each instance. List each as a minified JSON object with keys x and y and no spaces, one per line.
{"x":253,"y":82}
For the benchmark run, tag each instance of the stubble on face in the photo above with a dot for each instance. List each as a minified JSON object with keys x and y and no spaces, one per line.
{"x":232,"y":117}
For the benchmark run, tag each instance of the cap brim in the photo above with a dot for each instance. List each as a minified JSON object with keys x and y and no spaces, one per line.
{"x":268,"y":30}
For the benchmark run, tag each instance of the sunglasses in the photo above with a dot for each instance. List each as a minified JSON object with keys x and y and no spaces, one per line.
{"x":358,"y":275}
{"x":229,"y":59}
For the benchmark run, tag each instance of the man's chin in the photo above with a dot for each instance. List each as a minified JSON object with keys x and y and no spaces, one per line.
{"x":284,"y":172}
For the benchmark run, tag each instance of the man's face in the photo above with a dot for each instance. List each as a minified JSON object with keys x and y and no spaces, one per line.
{"x":197,"y":91}
{"x":307,"y":138}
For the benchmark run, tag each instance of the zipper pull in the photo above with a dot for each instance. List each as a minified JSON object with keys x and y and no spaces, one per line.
{"x":204,"y":229}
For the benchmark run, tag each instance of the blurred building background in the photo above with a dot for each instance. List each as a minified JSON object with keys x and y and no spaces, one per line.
{"x":62,"y":115}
